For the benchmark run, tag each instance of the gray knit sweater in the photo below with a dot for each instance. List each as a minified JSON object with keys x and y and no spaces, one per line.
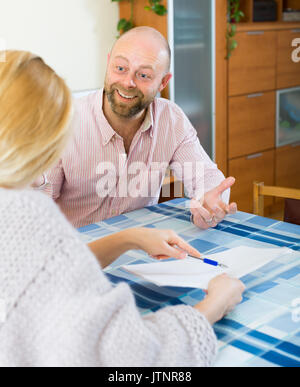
{"x":62,"y":311}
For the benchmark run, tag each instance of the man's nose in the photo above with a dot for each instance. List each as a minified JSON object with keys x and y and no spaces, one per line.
{"x":129,"y":82}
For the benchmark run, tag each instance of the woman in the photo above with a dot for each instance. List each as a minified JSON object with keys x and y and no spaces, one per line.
{"x":60,"y":308}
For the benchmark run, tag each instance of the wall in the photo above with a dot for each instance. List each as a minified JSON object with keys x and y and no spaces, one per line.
{"x":73,"y":36}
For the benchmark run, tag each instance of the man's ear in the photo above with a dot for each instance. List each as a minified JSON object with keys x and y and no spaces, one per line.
{"x":164,"y":83}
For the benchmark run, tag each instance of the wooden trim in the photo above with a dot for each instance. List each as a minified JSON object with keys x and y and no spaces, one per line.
{"x":279,"y":10}
{"x":247,"y":7}
{"x":221,"y":136}
{"x":267,"y":26}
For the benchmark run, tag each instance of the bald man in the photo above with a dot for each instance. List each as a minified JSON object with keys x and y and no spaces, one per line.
{"x":125,"y":138}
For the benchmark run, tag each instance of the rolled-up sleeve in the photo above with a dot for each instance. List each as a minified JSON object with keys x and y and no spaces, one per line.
{"x":55,"y":179}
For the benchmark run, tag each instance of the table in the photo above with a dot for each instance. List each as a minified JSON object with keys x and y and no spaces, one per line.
{"x":264,"y":330}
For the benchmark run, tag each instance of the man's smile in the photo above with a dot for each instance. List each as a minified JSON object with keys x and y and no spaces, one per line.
{"x":125,"y":96}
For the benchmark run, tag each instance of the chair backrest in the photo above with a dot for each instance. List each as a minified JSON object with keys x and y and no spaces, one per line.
{"x":292,"y":211}
{"x":260,"y":190}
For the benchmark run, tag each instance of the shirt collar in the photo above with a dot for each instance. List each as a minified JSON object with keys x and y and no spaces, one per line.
{"x":107,"y":131}
{"x":148,"y":121}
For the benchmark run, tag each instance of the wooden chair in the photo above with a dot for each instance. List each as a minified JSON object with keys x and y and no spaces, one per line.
{"x":171,"y":189}
{"x":260,"y":190}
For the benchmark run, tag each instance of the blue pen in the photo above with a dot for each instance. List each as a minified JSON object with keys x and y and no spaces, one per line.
{"x":210,"y":262}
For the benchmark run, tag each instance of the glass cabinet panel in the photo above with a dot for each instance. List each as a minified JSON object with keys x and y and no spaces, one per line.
{"x":288,"y":116}
{"x":192,"y":31}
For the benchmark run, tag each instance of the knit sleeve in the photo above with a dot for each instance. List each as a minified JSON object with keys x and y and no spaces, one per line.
{"x":70,"y":315}
{"x":174,"y":336}
{"x":65,"y":312}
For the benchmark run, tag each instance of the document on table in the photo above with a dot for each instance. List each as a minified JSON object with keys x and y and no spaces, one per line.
{"x":194,"y":273}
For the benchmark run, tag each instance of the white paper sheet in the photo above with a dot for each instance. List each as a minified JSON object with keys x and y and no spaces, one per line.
{"x":192,"y":273}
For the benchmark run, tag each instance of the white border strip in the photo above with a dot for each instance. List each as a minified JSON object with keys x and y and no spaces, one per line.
{"x":213,"y":81}
{"x":3,"y":48}
{"x":172,"y":45}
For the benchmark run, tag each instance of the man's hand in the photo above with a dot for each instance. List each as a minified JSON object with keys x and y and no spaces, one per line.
{"x":213,"y":210}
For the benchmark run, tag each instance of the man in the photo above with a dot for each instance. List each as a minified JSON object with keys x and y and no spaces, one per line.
{"x":125,"y":139}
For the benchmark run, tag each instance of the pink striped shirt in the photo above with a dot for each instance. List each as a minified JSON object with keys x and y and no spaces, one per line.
{"x":95,"y":179}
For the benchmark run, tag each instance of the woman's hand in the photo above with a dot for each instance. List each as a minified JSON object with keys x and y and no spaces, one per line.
{"x":162,"y":244}
{"x":159,"y":244}
{"x":223,"y":294}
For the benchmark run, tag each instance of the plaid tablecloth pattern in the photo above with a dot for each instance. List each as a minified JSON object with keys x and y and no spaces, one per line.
{"x":264,"y":330}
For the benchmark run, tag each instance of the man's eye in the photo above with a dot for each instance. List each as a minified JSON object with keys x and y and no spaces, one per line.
{"x":120,"y":68}
{"x":144,"y":76}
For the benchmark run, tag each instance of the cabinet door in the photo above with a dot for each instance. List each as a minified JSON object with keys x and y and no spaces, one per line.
{"x":251,"y":123}
{"x":246,"y":170}
{"x":252,"y":65}
{"x":288,"y":166}
{"x":288,"y":72}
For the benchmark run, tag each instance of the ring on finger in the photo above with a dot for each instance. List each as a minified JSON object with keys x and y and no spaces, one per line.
{"x":214,"y":219}
{"x":211,"y":221}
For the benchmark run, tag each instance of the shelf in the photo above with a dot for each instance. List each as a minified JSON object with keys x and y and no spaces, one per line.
{"x":248,"y":8}
{"x":267,"y":26}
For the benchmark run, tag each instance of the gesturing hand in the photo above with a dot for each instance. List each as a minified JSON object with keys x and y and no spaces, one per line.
{"x":213,"y":210}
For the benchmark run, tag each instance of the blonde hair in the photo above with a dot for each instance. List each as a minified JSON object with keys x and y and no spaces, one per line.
{"x":35,"y":113}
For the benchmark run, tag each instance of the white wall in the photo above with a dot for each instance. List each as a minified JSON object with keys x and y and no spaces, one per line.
{"x":73,"y":36}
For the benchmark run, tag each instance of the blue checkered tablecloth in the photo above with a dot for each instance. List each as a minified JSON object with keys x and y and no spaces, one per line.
{"x":264,"y":330}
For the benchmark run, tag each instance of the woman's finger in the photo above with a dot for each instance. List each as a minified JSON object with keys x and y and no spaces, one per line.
{"x":187,"y":247}
{"x":162,"y":257}
{"x":173,"y":252}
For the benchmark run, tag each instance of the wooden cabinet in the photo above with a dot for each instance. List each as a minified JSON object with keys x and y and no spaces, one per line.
{"x":288,"y":166}
{"x":288,"y":72}
{"x":251,"y":124}
{"x":246,"y":170}
{"x":252,"y":65}
{"x":251,"y":114}
{"x":261,"y":65}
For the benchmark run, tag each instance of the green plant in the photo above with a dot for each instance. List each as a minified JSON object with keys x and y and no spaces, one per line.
{"x":234,"y":16}
{"x":154,"y":6}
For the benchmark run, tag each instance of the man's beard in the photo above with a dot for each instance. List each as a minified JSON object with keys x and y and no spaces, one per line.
{"x":122,"y":109}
